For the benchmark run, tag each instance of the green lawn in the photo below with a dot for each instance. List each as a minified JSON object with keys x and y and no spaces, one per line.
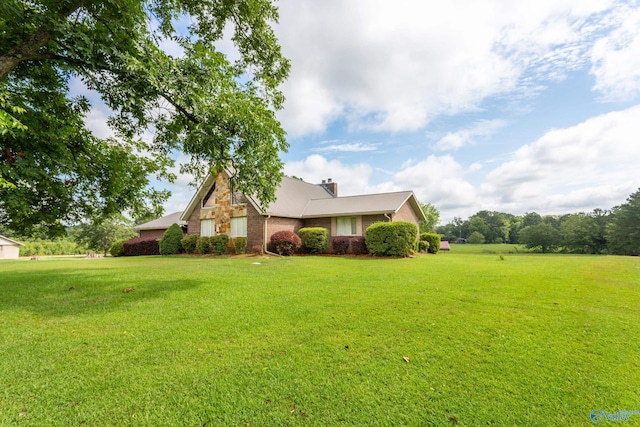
{"x":319,"y":341}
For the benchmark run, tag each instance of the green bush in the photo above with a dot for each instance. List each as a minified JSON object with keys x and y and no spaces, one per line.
{"x":219,"y":244}
{"x":189,"y":243}
{"x":315,"y":240}
{"x":476,"y":238}
{"x":117,"y":249}
{"x":171,"y":240}
{"x":434,"y":241}
{"x":391,"y":238}
{"x":240,"y":245}
{"x":204,"y":245}
{"x":423,"y":246}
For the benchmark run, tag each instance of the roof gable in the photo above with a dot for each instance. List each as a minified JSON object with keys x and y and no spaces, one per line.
{"x":5,"y":241}
{"x":295,"y":198}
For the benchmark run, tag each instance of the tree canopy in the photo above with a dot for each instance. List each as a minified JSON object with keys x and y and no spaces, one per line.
{"x":53,"y":170}
{"x":623,"y":232}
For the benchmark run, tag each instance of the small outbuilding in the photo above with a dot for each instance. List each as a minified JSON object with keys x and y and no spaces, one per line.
{"x":444,"y":246}
{"x":9,"y":249}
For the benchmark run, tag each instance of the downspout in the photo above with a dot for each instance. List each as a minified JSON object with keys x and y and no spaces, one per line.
{"x":265,"y":237}
{"x":388,"y":217}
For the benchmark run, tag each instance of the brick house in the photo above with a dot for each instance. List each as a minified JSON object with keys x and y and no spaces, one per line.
{"x":157,"y":227}
{"x":217,"y":209}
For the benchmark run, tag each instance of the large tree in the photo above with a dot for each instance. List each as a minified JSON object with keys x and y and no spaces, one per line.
{"x":53,"y":170}
{"x":433,"y":216}
{"x":623,"y":231}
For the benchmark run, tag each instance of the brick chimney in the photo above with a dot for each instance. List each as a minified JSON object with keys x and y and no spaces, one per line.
{"x":330,"y":186}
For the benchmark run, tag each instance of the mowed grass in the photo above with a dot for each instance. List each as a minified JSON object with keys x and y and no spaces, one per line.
{"x":534,"y":340}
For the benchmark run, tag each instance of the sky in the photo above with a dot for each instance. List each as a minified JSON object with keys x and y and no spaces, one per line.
{"x":512,"y":106}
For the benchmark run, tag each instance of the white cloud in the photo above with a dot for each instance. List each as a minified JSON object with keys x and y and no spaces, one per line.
{"x":616,"y":58}
{"x":352,"y":179}
{"x":393,"y":66}
{"x":353,"y":147}
{"x":587,"y":165}
{"x":455,"y":140}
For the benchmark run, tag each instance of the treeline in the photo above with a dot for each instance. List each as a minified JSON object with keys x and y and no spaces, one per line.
{"x":615,"y":231}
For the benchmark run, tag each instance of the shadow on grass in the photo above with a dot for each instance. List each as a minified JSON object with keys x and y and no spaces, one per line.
{"x":63,"y":292}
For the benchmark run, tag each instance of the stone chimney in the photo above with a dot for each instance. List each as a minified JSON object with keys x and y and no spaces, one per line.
{"x":330,"y":186}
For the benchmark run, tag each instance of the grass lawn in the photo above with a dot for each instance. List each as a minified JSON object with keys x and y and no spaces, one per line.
{"x":534,"y":340}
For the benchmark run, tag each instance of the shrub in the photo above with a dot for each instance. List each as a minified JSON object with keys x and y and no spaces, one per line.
{"x":340,"y":245}
{"x":189,"y":243}
{"x":315,"y":240}
{"x":423,"y":246}
{"x":434,"y":241}
{"x":391,"y":238}
{"x":204,"y":245}
{"x":240,"y":245}
{"x":219,"y":244}
{"x":475,"y":238}
{"x":141,"y":246}
{"x":117,"y":249}
{"x":257,"y":249}
{"x":171,"y":240}
{"x":285,"y":242}
{"x":359,"y":245}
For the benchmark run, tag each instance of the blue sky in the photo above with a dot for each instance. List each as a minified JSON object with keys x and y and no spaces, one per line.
{"x":515,"y":106}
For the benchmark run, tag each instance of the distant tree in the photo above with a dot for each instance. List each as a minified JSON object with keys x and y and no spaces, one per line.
{"x":543,"y":236}
{"x":433,"y":216}
{"x":99,"y":235}
{"x":581,"y":233}
{"x":458,"y":224}
{"x":623,"y":232}
{"x":477,"y":224}
{"x":531,"y":218}
{"x":476,"y":238}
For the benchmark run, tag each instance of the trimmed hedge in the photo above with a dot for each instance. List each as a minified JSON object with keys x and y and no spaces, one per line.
{"x":171,"y":242}
{"x":189,"y":243}
{"x":423,"y":246}
{"x":340,"y":245}
{"x":434,"y":241}
{"x":285,"y":242}
{"x":315,"y":240}
{"x":219,"y":244}
{"x":204,"y":245}
{"x":240,"y":245}
{"x":391,"y":238}
{"x":117,"y":249}
{"x":359,"y":245}
{"x":141,"y":246}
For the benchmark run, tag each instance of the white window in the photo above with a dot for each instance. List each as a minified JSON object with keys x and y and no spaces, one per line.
{"x":239,"y":226}
{"x":347,"y":226}
{"x":208,"y":227}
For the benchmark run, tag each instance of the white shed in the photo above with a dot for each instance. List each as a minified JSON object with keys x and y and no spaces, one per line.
{"x":9,"y":249}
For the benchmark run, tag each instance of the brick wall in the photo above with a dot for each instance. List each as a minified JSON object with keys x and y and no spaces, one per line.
{"x":255,"y":228}
{"x":152,"y":233}
{"x":406,"y":213}
{"x":367,"y":220}
{"x":275,"y":224}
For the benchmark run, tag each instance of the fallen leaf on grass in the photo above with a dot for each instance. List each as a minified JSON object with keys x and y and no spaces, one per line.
{"x":406,"y":359}
{"x":453,"y":419}
{"x":23,"y":412}
{"x":126,"y":291}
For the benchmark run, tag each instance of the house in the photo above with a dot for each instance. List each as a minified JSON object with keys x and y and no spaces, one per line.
{"x":217,"y":209}
{"x":157,"y":227}
{"x":9,"y":249}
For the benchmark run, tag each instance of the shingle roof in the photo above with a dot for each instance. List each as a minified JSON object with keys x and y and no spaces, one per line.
{"x":162,"y":223}
{"x":293,"y":197}
{"x":299,"y":199}
{"x":367,"y":204}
